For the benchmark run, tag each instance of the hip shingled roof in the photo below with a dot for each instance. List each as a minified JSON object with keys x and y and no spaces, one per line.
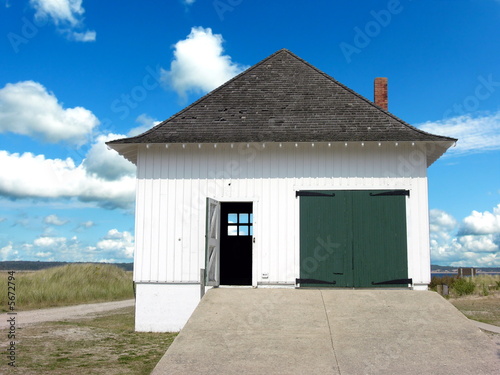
{"x":282,"y":99}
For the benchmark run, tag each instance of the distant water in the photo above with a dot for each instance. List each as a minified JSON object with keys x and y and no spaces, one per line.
{"x":439,"y":274}
{"x":452,"y":274}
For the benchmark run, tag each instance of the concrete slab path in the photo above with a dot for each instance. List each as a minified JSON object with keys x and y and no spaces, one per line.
{"x":487,"y":327}
{"x":328,"y":331}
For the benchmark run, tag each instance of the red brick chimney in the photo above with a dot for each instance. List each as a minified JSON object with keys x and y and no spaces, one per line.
{"x":380,"y":92}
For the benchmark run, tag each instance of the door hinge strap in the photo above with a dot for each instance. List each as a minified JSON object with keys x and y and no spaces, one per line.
{"x":392,"y":192}
{"x":304,"y":193}
{"x":395,"y":281}
{"x":314,"y":281}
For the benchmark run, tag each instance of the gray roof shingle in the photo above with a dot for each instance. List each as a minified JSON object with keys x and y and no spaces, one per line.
{"x":282,"y":99}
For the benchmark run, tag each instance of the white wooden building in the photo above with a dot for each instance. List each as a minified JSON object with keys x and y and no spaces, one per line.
{"x":281,"y":177}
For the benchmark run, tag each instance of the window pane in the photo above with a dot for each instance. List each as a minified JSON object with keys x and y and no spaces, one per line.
{"x":251,"y":218}
{"x":251,"y":230}
{"x":244,"y":231}
{"x":232,"y":230}
{"x":243,"y":218}
{"x":232,"y":218}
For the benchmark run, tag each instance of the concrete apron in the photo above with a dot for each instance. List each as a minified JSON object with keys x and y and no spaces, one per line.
{"x":328,"y":331}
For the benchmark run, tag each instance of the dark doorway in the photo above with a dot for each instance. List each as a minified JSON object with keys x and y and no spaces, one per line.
{"x":236,"y":243}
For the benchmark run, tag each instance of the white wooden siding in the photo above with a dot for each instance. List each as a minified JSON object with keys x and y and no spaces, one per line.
{"x":174,"y":181}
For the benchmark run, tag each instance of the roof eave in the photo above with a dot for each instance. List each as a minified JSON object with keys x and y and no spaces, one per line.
{"x":434,"y":149}
{"x":127,"y":150}
{"x":437,"y":149}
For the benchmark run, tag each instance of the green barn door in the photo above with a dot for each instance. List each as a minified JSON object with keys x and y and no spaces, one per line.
{"x":353,"y":238}
{"x":379,"y":227}
{"x":325,"y":239}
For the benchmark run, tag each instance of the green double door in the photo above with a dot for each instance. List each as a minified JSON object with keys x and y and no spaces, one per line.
{"x":353,"y":238}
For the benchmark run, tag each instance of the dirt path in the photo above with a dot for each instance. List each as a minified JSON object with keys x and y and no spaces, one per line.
{"x":24,"y":318}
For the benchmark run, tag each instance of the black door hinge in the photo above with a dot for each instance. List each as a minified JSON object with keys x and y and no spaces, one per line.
{"x":305,"y":193}
{"x":392,"y":192}
{"x":393,"y":282}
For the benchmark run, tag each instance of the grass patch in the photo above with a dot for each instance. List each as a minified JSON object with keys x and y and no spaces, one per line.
{"x":71,"y":284}
{"x":104,"y":345}
{"x":483,"y":309}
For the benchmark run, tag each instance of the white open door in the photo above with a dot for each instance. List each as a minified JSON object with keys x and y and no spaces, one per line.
{"x":212,"y":252}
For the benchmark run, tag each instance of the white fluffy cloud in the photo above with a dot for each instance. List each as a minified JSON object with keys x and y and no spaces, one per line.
{"x":473,"y":242}
{"x":441,"y":220}
{"x":61,"y":11}
{"x":54,"y":220}
{"x":115,"y":246}
{"x":87,"y":36}
{"x":475,"y":134}
{"x":8,"y":253}
{"x":27,"y":108}
{"x":59,"y":248}
{"x":49,"y":242}
{"x":482,"y":222}
{"x":479,"y":243}
{"x":199,"y":64}
{"x":120,"y":243}
{"x":67,"y":15}
{"x":33,"y":176}
{"x":86,"y":224}
{"x":101,"y":162}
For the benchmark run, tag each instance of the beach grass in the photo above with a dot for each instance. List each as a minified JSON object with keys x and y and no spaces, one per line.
{"x":482,"y":285}
{"x":67,"y":285}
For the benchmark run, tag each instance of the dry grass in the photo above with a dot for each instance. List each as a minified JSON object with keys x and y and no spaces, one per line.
{"x":487,"y":284}
{"x":67,"y":285}
{"x":484,"y":309}
{"x":104,"y":345}
{"x":483,"y":304}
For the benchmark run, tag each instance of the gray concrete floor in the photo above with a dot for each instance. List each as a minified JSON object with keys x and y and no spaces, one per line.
{"x":328,"y":331}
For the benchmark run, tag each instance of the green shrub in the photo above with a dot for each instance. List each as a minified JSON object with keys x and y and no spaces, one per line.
{"x":463,"y":286}
{"x":485,"y":288}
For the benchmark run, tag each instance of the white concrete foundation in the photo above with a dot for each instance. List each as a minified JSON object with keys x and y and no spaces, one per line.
{"x":164,"y":307}
{"x":420,"y":287}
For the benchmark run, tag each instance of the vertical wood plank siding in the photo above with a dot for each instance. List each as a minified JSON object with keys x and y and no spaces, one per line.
{"x":174,"y":182}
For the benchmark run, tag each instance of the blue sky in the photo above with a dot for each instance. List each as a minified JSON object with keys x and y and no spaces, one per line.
{"x":75,"y":74}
